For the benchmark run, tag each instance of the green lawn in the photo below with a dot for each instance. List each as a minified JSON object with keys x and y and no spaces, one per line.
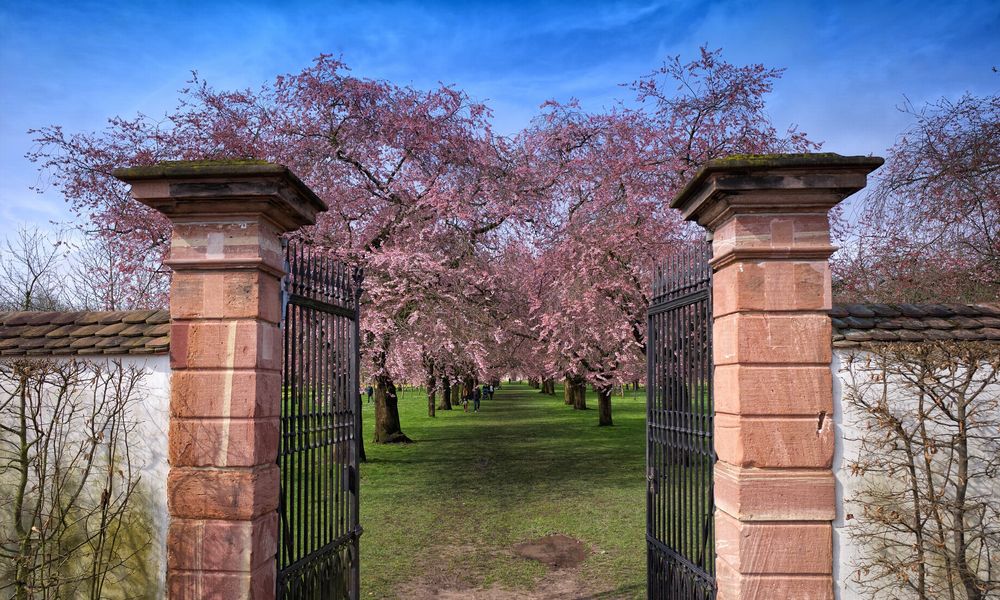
{"x":450,"y":506}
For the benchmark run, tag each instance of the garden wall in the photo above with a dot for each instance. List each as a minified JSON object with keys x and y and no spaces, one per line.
{"x":908,"y":381}
{"x":95,"y":387}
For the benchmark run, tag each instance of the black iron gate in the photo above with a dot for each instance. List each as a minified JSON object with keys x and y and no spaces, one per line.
{"x":680,"y":455}
{"x":320,"y":429}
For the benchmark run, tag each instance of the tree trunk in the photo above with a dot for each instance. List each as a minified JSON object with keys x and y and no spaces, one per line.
{"x":575,"y":393}
{"x":445,"y":394}
{"x":431,"y":396}
{"x":604,"y":406}
{"x":966,"y":571}
{"x":431,"y":390}
{"x":387,"y":427}
{"x":550,"y":386}
{"x":580,"y":395}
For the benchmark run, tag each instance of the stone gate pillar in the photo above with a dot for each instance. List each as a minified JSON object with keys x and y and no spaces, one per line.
{"x":225,"y":356}
{"x":774,"y":488}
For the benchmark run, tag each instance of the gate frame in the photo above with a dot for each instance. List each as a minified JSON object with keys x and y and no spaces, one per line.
{"x":774,"y":485}
{"x":681,"y":299}
{"x":322,"y":286}
{"x":227,"y":220}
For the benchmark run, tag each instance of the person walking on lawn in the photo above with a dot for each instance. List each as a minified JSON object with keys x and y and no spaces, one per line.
{"x":477,"y":395}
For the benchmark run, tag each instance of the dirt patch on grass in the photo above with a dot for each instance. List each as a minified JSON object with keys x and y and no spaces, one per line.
{"x":557,"y":551}
{"x":564,"y":584}
{"x":564,"y":581}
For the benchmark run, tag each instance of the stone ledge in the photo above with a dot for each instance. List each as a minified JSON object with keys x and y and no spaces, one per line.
{"x":187,"y":190}
{"x":783,"y":183}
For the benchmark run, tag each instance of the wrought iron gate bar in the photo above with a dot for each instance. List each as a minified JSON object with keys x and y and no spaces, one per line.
{"x":694,"y":298}
{"x":680,"y":454}
{"x":320,"y":305}
{"x":694,"y":568}
{"x":319,"y":438}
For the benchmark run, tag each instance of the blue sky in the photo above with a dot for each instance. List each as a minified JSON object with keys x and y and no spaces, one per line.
{"x":849,"y":64}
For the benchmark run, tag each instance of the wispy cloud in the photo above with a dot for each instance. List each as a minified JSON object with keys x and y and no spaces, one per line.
{"x":849,"y":63}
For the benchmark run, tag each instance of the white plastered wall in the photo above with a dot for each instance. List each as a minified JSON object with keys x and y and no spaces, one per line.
{"x":846,"y":554}
{"x":153,"y":422}
{"x":147,"y":442}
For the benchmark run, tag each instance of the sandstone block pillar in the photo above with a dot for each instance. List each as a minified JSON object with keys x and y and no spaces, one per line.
{"x":774,"y":488}
{"x":225,"y":355}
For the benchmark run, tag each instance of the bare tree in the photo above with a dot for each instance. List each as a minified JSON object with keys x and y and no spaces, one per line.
{"x":70,"y":499}
{"x":29,"y":271}
{"x":929,"y":230}
{"x":99,"y":277}
{"x":929,"y":455}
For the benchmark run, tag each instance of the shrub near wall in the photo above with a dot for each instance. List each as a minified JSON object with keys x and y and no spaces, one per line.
{"x":74,"y":508}
{"x":920,"y":470}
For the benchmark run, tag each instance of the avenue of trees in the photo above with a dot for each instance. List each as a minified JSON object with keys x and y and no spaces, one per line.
{"x":531,"y":253}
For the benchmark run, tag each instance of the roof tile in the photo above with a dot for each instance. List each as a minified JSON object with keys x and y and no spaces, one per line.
{"x":858,"y":323}
{"x":85,"y":330}
{"x":859,"y":310}
{"x":138,"y":316}
{"x":968,"y":334}
{"x":882,"y":335}
{"x":63,"y":331}
{"x":905,"y":335}
{"x":89,"y":318}
{"x":158,"y":330}
{"x":938,"y":335}
{"x":130,"y":343}
{"x":912,"y":310}
{"x":108,"y":342}
{"x":936,"y":310}
{"x":884,"y":310}
{"x":19,"y":318}
{"x":939,"y":323}
{"x":84,"y":342}
{"x":160,"y":316}
{"x":134,"y":330}
{"x":839,"y":312}
{"x":112,"y":317}
{"x":991,"y":333}
{"x":111,"y":329}
{"x":964,"y":310}
{"x":12,"y":332}
{"x":36,"y":331}
{"x":965,"y":322}
{"x":989,"y":321}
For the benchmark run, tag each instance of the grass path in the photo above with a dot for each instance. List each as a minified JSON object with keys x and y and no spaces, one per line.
{"x":441,"y":515}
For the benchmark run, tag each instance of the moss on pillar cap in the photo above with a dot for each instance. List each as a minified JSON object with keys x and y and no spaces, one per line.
{"x":771,"y":181}
{"x":202,"y":187}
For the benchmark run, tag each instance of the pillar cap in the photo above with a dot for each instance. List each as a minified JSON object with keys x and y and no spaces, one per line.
{"x":186,"y":190}
{"x":768,"y":183}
